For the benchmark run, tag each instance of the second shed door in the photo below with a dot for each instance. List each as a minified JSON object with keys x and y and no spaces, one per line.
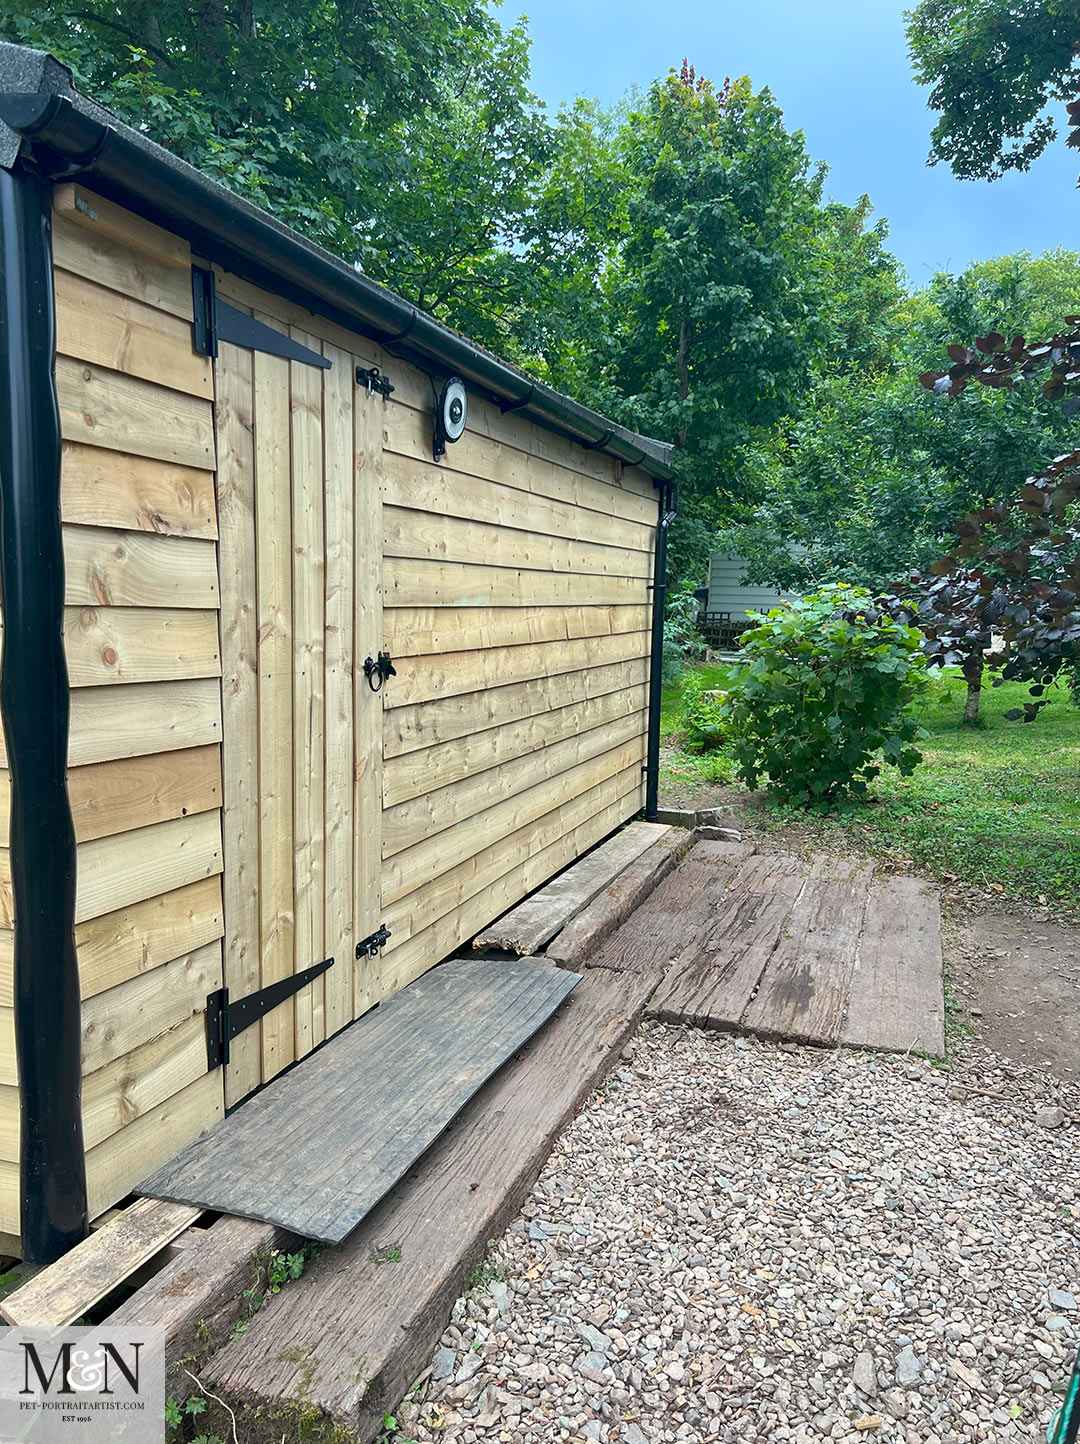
{"x":299,"y":516}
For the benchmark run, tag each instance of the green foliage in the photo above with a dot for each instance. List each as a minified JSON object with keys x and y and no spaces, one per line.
{"x":824,"y":692}
{"x":275,"y":1271}
{"x":390,"y":1254}
{"x":868,"y":481}
{"x":682,"y":640}
{"x":994,"y":67}
{"x":713,"y":301}
{"x":704,"y":721}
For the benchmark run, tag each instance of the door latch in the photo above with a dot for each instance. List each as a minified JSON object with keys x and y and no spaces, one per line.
{"x":377,"y":671}
{"x":372,"y":380}
{"x":369,"y":948}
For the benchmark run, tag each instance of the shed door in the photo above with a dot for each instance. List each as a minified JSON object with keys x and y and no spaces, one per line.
{"x":299,"y":516}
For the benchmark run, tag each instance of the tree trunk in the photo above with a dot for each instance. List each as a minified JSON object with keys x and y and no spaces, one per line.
{"x":973,"y":672}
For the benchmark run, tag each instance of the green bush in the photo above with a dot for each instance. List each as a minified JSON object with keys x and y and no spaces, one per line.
{"x":703,"y":723}
{"x":682,"y":640}
{"x":823,"y":696}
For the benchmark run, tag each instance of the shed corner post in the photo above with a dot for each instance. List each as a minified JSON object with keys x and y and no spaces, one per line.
{"x":669,"y":501}
{"x":34,"y":706}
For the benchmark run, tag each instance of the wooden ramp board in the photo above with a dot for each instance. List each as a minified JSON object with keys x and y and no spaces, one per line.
{"x":897,"y":1000}
{"x":316,"y":1150}
{"x":349,"y":1337}
{"x":534,"y":922}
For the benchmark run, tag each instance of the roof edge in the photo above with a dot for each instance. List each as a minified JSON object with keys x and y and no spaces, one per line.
{"x":70,"y":136}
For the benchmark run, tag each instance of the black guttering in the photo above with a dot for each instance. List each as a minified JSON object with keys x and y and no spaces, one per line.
{"x":34,"y":707}
{"x":669,"y":502}
{"x":69,"y":136}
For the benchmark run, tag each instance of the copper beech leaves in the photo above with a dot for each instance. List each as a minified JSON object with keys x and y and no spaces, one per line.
{"x":1013,"y":578}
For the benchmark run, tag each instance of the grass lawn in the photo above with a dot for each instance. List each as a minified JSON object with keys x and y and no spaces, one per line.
{"x":998,"y":806}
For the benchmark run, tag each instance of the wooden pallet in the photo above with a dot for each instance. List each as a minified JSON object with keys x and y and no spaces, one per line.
{"x":149,"y":1233}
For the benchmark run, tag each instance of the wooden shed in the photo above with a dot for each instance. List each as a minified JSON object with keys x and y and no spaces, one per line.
{"x":280,"y":683}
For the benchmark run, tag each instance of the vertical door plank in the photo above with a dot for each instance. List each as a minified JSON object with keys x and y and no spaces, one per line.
{"x":240,"y":702}
{"x":367,"y":829}
{"x":273,"y":525}
{"x":338,"y":459}
{"x":308,"y":574}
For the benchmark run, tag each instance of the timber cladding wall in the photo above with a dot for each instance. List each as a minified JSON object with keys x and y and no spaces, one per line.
{"x":141,"y":635}
{"x":239,"y":535}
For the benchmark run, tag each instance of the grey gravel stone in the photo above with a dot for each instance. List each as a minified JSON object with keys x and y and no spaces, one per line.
{"x":703,"y":1261}
{"x":444,"y":1363}
{"x":1048,"y":1117}
{"x":908,"y":1368}
{"x":500,"y":1296}
{"x":864,"y":1374}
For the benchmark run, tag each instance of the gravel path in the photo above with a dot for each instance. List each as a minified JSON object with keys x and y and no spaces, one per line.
{"x":741,"y":1241}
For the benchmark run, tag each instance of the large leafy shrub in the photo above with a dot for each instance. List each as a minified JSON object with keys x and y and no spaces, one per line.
{"x":823,"y":697}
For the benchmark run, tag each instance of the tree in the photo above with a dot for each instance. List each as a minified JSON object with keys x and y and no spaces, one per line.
{"x":868,"y":480}
{"x":1016,"y":569}
{"x":400,"y":134}
{"x":995,"y":68}
{"x":712,"y":302}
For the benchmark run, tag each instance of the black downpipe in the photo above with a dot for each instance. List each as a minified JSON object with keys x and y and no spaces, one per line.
{"x":34,"y":709}
{"x":669,"y":502}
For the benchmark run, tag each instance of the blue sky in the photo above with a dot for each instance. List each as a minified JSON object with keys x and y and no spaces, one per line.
{"x":839,"y":69}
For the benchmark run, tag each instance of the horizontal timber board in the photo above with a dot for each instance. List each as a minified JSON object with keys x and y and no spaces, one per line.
{"x":116,"y":1022}
{"x":9,"y":1123}
{"x":114,"y":872}
{"x":139,"y":644}
{"x":100,"y":407}
{"x":424,"y":679}
{"x":410,"y":583}
{"x":408,"y":870}
{"x":97,"y":325}
{"x":99,"y":487}
{"x":433,"y":900}
{"x":414,"y":773}
{"x":430,"y":631}
{"x":442,"y":491}
{"x":425,"y":724}
{"x":437,"y":810}
{"x":143,"y":717}
{"x":423,"y":536}
{"x":383,"y":1092}
{"x":150,"y":1074}
{"x":428,"y":947}
{"x":102,"y":217}
{"x":122,"y":944}
{"x":408,"y":434}
{"x":121,"y":266}
{"x":130,"y":792}
{"x":116,"y":1165}
{"x":105,"y":567}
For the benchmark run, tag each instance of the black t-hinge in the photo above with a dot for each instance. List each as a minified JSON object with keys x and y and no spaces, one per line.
{"x":225,"y":1018}
{"x":215,"y":320}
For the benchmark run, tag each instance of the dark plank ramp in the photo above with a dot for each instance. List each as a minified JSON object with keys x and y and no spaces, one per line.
{"x":897,"y":999}
{"x":344,"y":1342}
{"x":803,"y":993}
{"x":534,"y":922}
{"x":316,"y":1150}
{"x":713,"y":988}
